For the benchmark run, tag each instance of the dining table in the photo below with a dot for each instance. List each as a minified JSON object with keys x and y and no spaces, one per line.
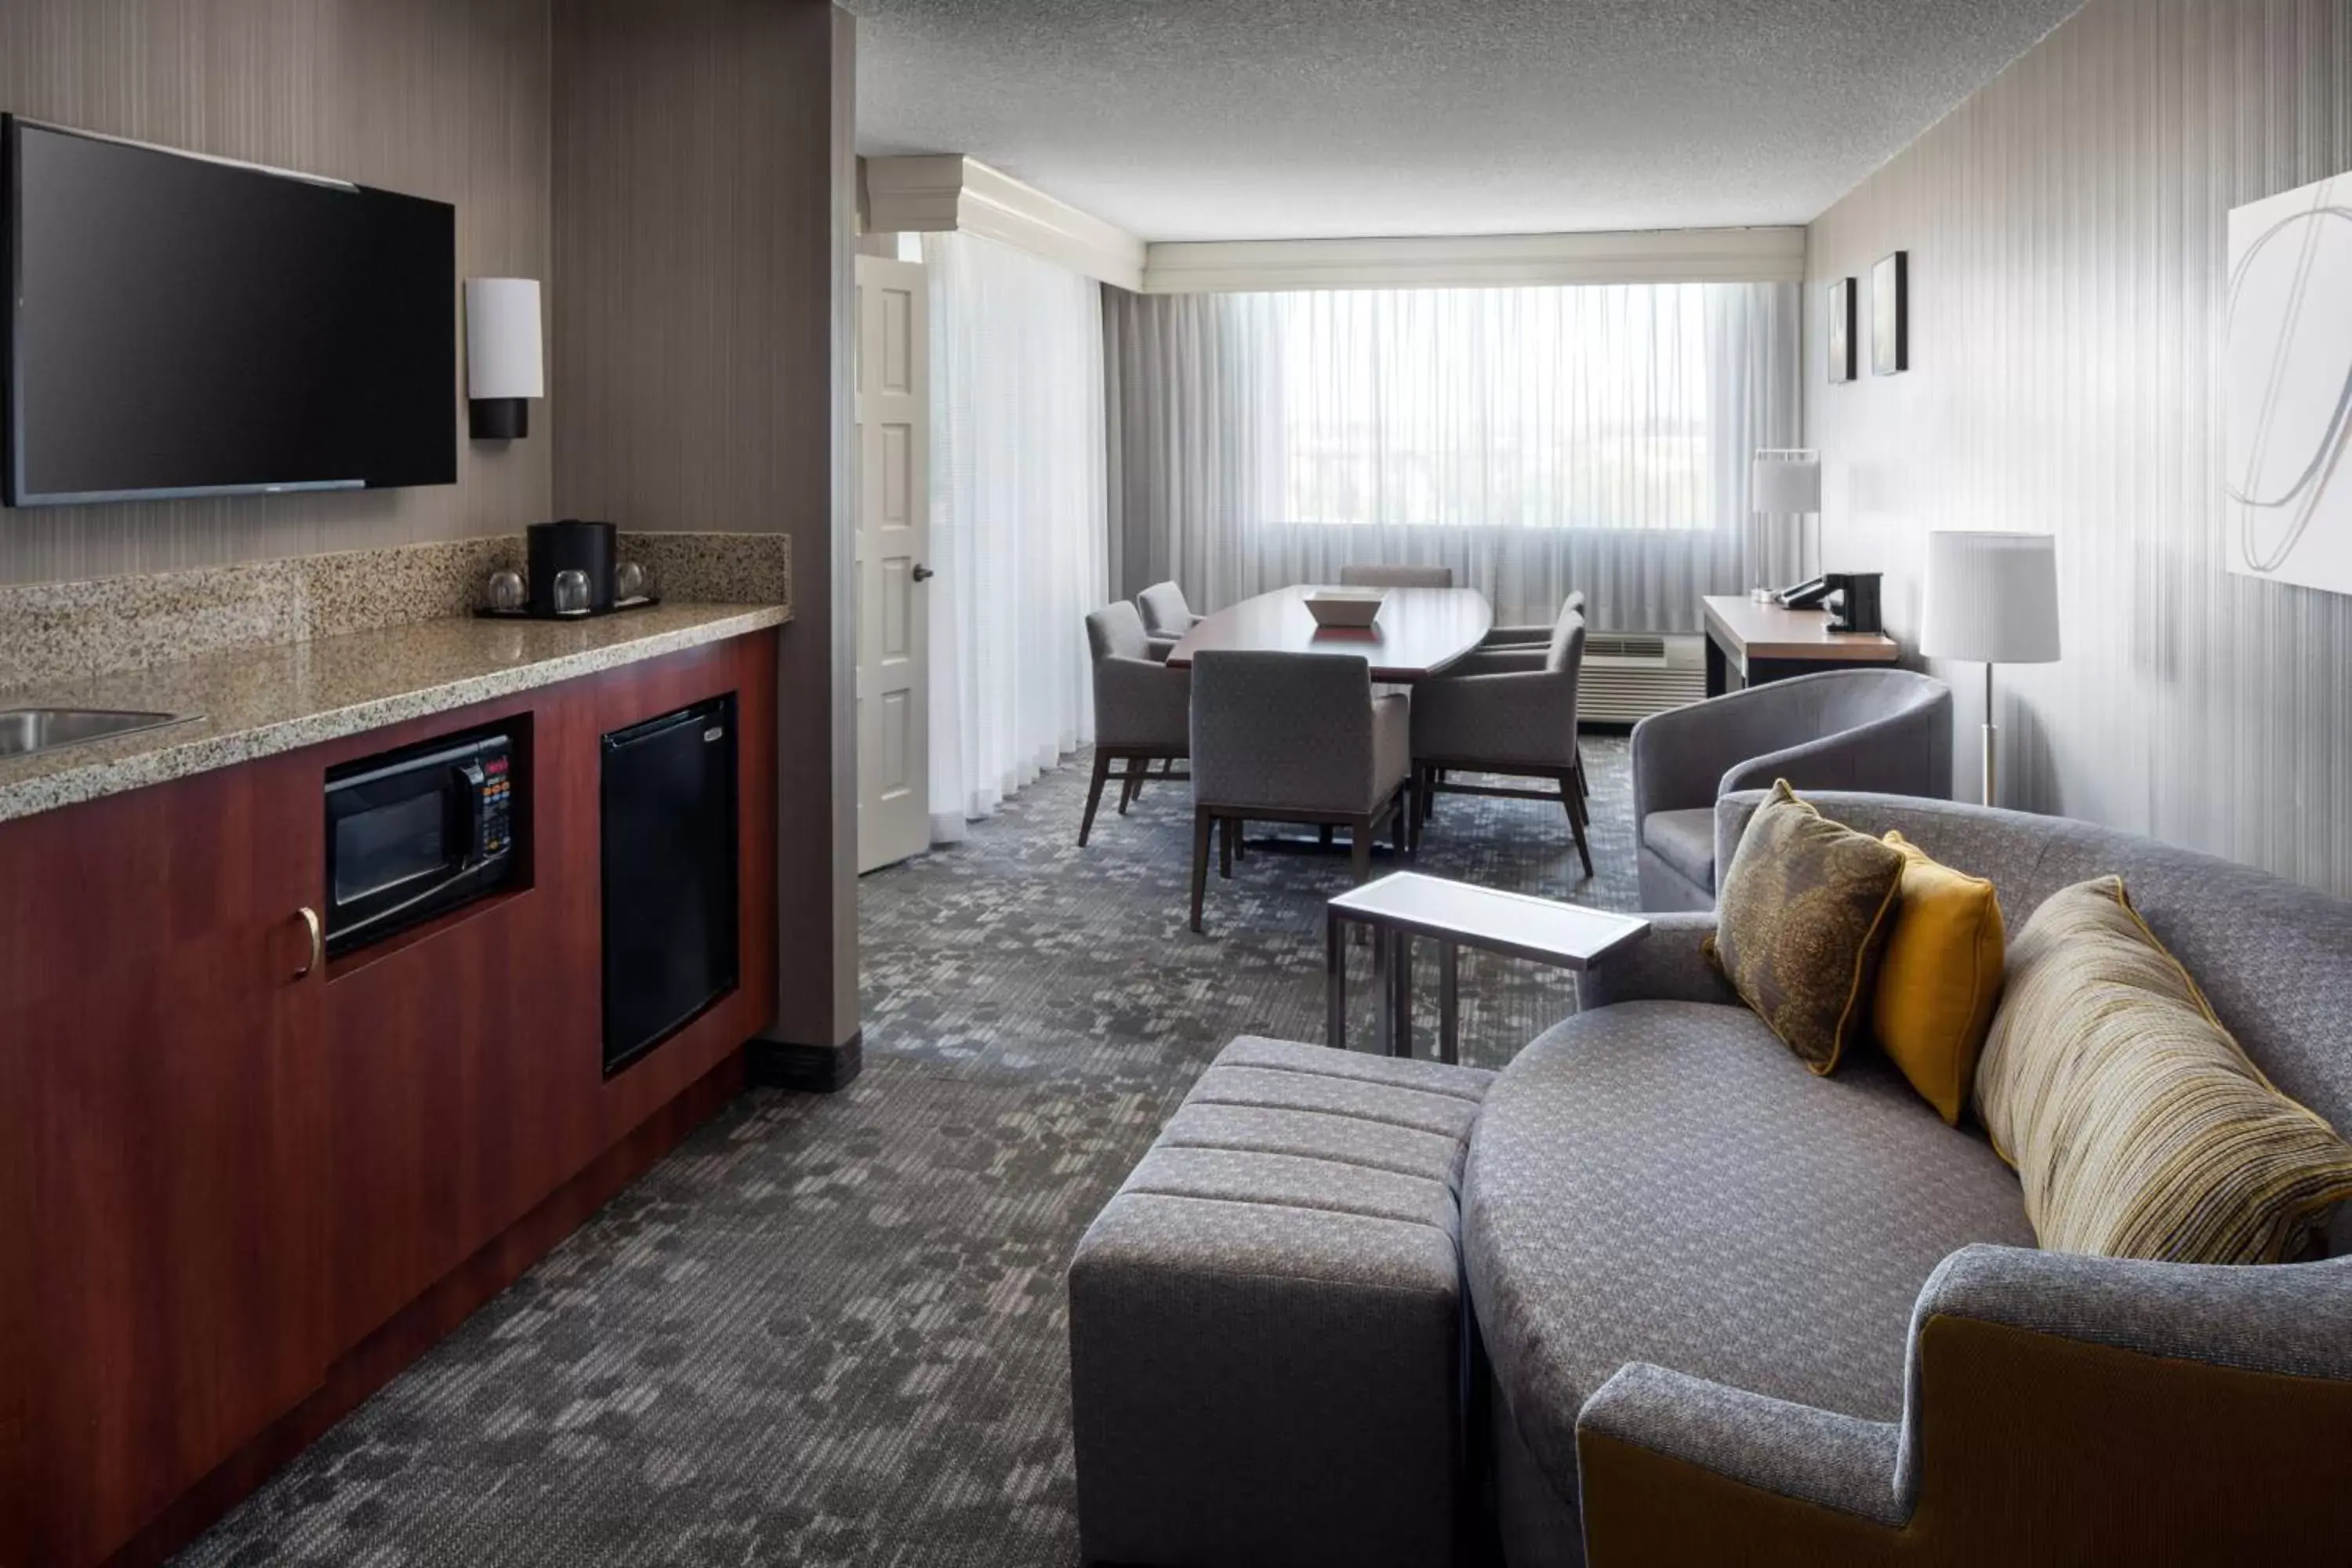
{"x":1418,"y":633}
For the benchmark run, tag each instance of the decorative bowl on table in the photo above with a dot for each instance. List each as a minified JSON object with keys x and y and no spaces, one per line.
{"x":1349,"y":608}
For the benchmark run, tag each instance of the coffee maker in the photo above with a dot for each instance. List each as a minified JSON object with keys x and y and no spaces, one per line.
{"x":1854,"y":600}
{"x":569,"y":546}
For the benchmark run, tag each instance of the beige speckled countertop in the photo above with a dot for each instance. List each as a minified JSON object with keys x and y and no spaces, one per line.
{"x":256,"y":701}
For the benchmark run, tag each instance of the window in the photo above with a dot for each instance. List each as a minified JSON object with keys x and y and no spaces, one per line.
{"x":1533,"y":440}
{"x":1563,"y":407}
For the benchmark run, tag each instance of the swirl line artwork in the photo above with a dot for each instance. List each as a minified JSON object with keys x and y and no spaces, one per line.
{"x":2287,"y":388}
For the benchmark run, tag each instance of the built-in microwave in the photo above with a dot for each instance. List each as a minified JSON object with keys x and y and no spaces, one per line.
{"x":413,"y":833}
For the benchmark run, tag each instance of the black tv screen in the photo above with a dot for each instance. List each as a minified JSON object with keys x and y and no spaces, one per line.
{"x":181,"y":325}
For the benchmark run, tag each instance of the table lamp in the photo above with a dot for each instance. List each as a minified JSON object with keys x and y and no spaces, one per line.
{"x":1785,"y":482}
{"x":1992,"y":598}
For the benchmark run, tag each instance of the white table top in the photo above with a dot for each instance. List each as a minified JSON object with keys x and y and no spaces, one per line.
{"x":1566,"y":935}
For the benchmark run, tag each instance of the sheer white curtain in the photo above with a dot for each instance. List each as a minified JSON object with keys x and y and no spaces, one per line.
{"x":1533,"y":439}
{"x":1018,"y":528}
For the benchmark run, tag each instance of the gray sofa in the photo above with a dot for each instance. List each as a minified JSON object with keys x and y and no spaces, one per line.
{"x":1735,"y":1311}
{"x":1728,"y":1311}
{"x":1884,"y":730}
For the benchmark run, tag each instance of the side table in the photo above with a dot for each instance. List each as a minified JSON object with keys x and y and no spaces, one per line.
{"x":1406,"y":904}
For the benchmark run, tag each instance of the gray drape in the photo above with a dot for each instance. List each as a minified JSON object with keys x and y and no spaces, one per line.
{"x":1217,"y":404}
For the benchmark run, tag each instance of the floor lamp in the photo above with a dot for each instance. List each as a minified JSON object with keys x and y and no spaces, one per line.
{"x":1992,"y":598}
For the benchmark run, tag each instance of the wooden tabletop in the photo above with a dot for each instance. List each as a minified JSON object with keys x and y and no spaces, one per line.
{"x":1419,"y":631}
{"x":1769,"y":631}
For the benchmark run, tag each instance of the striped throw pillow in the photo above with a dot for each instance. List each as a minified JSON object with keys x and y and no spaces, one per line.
{"x":2138,"y":1127}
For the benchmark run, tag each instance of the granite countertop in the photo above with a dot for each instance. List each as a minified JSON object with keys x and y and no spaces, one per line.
{"x":258,"y":702}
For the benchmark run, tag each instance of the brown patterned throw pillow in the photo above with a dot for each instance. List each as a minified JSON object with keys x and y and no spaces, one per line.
{"x":1804,"y":911}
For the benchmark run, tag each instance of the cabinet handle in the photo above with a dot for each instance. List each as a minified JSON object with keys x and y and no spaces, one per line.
{"x":318,"y":940}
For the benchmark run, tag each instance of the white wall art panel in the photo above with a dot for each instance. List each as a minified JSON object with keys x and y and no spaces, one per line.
{"x":2288,"y":388}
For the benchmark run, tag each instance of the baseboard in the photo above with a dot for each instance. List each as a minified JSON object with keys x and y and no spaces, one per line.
{"x":811,"y":1070}
{"x":430,"y":1318}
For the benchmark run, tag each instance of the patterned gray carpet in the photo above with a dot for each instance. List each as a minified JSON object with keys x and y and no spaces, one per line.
{"x":829,"y":1329}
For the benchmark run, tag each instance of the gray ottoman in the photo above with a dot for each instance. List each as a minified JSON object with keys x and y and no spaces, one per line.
{"x":1266,"y":1337}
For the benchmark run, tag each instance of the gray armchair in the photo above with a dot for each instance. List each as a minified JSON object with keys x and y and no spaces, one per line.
{"x":1294,"y":737}
{"x":1885,"y":731}
{"x":1532,"y":636}
{"x":1143,"y":708}
{"x":1166,"y":615}
{"x":1396,"y":576}
{"x":1509,"y":713}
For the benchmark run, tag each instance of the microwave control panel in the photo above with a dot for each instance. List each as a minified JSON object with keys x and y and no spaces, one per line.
{"x":491,"y":778}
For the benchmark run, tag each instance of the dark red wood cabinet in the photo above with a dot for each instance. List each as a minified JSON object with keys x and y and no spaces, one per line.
{"x":238,"y":1190}
{"x":161,"y":1122}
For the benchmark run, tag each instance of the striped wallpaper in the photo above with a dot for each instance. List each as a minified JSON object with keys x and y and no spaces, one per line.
{"x":2067,"y":231}
{"x":698,"y":367}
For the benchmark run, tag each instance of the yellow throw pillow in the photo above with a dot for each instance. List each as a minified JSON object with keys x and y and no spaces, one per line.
{"x":1799,"y":921}
{"x":2138,"y":1126}
{"x":1939,"y":978}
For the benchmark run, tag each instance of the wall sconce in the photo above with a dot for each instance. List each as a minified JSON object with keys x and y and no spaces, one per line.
{"x":504,"y":363}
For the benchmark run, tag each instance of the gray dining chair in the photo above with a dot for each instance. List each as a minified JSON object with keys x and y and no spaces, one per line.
{"x":1396,"y":576}
{"x":1886,"y":731}
{"x":1511,"y":713}
{"x":1166,"y":615}
{"x":1294,"y":737}
{"x":1536,"y":636}
{"x":1143,"y":708}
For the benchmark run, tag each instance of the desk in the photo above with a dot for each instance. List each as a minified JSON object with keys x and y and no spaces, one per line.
{"x":1420,"y":630}
{"x":1748,"y":644}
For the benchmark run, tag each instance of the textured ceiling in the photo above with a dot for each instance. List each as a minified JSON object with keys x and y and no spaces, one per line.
{"x":1276,"y":119}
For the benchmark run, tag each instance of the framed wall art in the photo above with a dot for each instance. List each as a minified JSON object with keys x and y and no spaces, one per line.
{"x":1890,"y":315}
{"x":1840,"y":330}
{"x":2286,"y":389}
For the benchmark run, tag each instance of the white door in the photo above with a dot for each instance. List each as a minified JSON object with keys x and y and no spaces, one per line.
{"x":893,"y":529}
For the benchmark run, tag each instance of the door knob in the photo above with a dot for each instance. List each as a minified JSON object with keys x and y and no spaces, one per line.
{"x":923,"y":574}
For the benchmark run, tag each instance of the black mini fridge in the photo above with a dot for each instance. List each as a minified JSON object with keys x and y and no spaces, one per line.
{"x":669,"y":837}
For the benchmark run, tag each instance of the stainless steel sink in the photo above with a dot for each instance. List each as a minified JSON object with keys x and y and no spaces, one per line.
{"x":24,"y":730}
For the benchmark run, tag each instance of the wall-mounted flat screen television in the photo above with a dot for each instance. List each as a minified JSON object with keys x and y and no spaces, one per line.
{"x":181,"y":325}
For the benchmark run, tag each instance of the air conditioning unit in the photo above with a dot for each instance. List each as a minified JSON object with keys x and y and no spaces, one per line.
{"x":1630,"y":676}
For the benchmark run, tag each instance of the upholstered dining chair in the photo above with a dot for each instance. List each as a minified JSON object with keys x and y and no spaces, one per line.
{"x":1396,"y":576}
{"x":1508,"y":712}
{"x":1535,"y":636}
{"x":1166,"y":615}
{"x":1294,"y":737}
{"x":1143,"y":708}
{"x":1887,"y":732}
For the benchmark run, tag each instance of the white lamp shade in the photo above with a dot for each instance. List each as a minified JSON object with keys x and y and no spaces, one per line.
{"x":502,"y":338}
{"x":1785,"y":483}
{"x":1992,"y":598}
